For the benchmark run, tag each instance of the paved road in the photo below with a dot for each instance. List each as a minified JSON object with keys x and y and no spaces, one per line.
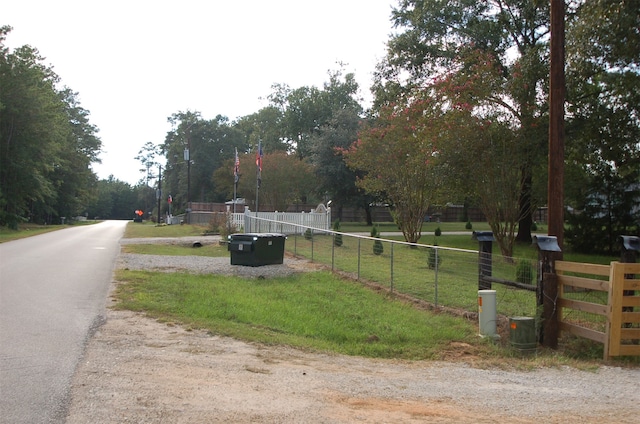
{"x":53,"y":290}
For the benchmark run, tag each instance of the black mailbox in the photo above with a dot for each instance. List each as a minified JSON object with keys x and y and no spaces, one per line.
{"x":256,"y":249}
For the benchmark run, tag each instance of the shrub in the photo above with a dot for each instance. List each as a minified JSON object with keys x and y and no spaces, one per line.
{"x":468,"y":226}
{"x":216,"y":221}
{"x":438,"y":232}
{"x":308,"y":235}
{"x":378,"y":248}
{"x":524,"y":272}
{"x":534,"y":226}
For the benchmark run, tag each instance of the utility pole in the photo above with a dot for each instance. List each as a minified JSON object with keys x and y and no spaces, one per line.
{"x":556,"y":124}
{"x":159,"y":192}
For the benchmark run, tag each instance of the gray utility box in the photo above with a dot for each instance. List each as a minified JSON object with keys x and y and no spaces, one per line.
{"x":256,"y":249}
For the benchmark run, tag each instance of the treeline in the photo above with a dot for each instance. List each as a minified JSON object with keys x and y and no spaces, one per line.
{"x":460,"y":115}
{"x":46,"y":142}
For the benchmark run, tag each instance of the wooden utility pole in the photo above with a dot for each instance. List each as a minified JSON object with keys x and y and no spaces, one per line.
{"x":159,"y":192}
{"x":556,"y":123}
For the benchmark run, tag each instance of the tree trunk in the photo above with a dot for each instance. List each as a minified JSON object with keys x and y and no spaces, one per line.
{"x":367,"y":211}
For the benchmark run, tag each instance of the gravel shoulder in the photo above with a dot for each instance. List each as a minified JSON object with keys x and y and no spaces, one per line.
{"x":136,"y":369}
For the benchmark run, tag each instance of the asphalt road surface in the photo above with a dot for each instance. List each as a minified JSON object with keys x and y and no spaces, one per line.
{"x":53,"y":289}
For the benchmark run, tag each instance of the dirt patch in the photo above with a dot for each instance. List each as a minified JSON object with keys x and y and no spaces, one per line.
{"x":139,"y":370}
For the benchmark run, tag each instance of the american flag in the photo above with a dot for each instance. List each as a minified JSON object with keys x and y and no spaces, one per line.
{"x":236,"y":167}
{"x":259,"y":163}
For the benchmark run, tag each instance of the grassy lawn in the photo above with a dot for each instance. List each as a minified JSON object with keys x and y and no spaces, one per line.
{"x":317,"y":311}
{"x":149,"y":229}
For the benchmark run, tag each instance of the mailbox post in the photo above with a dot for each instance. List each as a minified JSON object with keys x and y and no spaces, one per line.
{"x":629,"y":254}
{"x":547,"y":292}
{"x":485,"y":250}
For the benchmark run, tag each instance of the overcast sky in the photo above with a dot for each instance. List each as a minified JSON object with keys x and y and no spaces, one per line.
{"x":136,"y":62}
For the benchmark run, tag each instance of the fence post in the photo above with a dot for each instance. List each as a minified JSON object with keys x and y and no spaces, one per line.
{"x":333,"y":250}
{"x":485,"y":250}
{"x":391,"y":258}
{"x":359,"y":239}
{"x":547,"y":289}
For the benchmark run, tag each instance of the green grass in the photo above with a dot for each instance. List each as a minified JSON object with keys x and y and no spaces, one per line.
{"x":149,"y":229}
{"x":316,"y":311}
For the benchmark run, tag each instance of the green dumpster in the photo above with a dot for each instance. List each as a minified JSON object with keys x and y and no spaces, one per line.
{"x":256,"y":249}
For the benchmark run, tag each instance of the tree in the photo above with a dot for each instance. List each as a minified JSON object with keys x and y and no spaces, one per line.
{"x":603,"y":62}
{"x":264,"y":125}
{"x":148,"y":156}
{"x":305,"y":110}
{"x":334,"y":178}
{"x":478,"y":147}
{"x":73,"y":178}
{"x":286,"y":180}
{"x":210,"y":144}
{"x":437,"y":36}
{"x":115,"y":199}
{"x":397,"y":153}
{"x":46,"y":142}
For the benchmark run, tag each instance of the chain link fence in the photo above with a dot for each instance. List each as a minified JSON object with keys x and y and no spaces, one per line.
{"x":441,"y":276}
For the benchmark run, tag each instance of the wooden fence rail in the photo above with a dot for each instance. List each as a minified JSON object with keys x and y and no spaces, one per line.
{"x":620,"y":335}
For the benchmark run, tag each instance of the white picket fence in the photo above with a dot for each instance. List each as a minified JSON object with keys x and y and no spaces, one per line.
{"x":282,"y":222}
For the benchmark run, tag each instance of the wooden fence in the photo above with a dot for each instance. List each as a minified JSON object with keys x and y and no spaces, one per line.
{"x":619,"y":309}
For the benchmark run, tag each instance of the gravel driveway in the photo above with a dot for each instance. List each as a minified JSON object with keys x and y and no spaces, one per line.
{"x":138,"y":370}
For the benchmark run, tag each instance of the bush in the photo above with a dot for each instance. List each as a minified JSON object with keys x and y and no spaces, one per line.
{"x":524,"y":272}
{"x":221,"y":223}
{"x":534,"y":226}
{"x":468,"y":226}
{"x":308,"y":235}
{"x":378,"y":248}
{"x":438,"y":232}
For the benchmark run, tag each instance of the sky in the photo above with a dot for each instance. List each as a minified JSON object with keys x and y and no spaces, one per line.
{"x":134,"y":63}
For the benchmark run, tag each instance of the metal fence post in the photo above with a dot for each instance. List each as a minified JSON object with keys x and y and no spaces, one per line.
{"x":333,"y":250}
{"x":391,"y":267}
{"x":436,"y":279}
{"x":359,"y":258}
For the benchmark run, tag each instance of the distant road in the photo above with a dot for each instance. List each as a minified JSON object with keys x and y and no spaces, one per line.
{"x":53,"y":289}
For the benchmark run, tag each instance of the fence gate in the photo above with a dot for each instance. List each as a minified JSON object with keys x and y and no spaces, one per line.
{"x":624,"y":310}
{"x":609,"y":295}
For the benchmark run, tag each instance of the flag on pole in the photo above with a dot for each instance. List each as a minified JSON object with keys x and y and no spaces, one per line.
{"x":259,"y":163}
{"x":236,"y":168}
